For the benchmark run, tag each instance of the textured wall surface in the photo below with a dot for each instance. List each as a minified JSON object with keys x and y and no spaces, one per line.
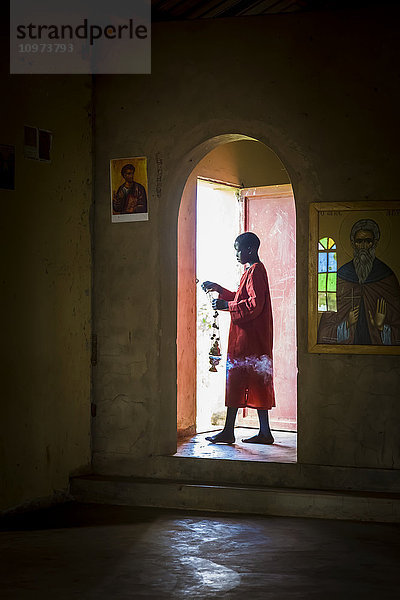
{"x":46,"y":286}
{"x":328,"y":110}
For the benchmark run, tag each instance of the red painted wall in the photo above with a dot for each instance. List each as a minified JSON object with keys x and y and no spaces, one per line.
{"x":270,"y":213}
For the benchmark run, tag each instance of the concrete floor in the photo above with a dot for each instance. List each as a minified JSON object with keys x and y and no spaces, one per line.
{"x":284,"y":449}
{"x":94,"y":552}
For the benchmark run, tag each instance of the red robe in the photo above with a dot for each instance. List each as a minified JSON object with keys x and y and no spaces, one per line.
{"x":249,"y":375}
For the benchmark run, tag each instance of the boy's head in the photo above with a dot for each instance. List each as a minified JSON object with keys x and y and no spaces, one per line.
{"x":246,"y":246}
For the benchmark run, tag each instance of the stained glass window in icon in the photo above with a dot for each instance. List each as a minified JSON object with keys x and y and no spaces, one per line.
{"x":327,"y":275}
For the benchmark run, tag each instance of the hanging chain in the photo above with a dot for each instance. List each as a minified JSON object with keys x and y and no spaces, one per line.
{"x":215,"y":350}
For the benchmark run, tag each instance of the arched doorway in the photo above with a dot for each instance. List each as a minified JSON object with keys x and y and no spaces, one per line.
{"x":252,"y":165}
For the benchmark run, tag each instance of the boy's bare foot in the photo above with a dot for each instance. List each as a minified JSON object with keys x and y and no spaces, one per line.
{"x":260,"y":439}
{"x":221,"y":438}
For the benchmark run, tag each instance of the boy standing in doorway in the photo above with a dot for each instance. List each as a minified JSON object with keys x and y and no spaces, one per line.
{"x":249,"y":377}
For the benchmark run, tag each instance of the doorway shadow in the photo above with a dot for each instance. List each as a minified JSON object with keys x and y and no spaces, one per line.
{"x":284,"y":450}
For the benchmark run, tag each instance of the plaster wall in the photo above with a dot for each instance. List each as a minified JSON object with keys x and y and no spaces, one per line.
{"x":46,"y":288}
{"x":247,"y":163}
{"x":328,"y":110}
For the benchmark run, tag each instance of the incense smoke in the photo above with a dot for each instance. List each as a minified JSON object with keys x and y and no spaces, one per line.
{"x":260,"y":364}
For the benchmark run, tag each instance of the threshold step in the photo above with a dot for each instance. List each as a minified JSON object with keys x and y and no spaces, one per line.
{"x":360,"y":506}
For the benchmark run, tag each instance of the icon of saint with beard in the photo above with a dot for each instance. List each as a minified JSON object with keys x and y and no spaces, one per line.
{"x":368,"y":296}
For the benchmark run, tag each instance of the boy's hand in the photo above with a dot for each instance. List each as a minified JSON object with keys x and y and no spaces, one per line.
{"x":209,"y":286}
{"x":219,"y":304}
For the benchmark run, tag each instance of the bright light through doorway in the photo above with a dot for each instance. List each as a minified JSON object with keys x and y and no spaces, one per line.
{"x":218,"y":224}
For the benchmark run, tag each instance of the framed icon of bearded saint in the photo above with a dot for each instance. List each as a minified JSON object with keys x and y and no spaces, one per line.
{"x":354,"y":273}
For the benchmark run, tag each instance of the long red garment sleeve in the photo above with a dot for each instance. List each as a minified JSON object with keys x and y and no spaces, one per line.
{"x":226,"y":294}
{"x":251,"y":307}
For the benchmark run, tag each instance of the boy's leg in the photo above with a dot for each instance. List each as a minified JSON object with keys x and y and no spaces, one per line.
{"x":264,"y":436}
{"x":226,"y":436}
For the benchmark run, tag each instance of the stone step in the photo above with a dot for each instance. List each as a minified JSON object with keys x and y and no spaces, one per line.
{"x":249,"y":473}
{"x":360,"y":506}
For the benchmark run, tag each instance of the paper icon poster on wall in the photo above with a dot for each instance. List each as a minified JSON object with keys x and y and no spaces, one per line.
{"x":129,"y":198}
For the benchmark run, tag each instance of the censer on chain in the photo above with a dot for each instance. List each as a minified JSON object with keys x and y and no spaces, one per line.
{"x":214,"y":355}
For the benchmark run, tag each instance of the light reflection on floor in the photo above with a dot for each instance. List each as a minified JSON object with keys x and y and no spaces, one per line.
{"x":284,"y":450}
